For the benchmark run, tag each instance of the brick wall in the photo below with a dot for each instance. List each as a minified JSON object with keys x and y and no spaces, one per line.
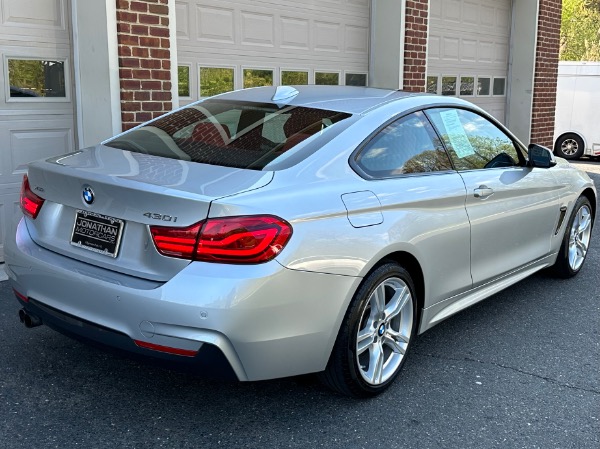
{"x":546,"y":72}
{"x":144,"y":60}
{"x":415,"y":45}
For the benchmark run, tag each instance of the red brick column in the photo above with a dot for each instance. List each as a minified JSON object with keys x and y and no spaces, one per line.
{"x":144,"y":60}
{"x":415,"y":45}
{"x":546,"y":72}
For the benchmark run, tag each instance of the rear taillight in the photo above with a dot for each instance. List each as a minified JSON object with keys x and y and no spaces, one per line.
{"x":30,"y":202}
{"x":176,"y":242}
{"x":248,"y":239}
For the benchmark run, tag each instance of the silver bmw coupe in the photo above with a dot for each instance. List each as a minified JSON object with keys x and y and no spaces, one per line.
{"x":273,"y":232}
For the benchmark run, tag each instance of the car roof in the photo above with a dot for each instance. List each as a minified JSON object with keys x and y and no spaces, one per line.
{"x":350,"y":99}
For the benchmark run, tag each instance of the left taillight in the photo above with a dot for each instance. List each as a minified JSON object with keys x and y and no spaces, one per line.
{"x":246,"y":239}
{"x":30,"y":202}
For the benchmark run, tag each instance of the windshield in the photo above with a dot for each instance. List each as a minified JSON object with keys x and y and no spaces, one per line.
{"x":228,"y":133}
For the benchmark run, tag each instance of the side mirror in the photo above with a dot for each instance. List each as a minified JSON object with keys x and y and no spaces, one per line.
{"x":540,"y":156}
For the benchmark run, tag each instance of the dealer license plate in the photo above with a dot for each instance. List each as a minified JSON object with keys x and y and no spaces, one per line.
{"x":98,"y":233}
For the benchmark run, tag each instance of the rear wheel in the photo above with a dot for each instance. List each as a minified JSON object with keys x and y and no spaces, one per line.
{"x":569,"y":146}
{"x":376,"y":334}
{"x":576,"y":240}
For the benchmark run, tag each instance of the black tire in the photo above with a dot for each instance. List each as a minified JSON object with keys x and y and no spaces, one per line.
{"x":569,"y":146}
{"x":343,"y":373}
{"x":563,"y":267}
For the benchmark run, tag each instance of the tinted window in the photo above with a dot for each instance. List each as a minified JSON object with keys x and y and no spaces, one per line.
{"x":473,"y":141}
{"x":229,"y":133}
{"x":409,"y":145}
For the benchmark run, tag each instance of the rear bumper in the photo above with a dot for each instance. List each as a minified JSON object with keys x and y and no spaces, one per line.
{"x":208,"y":360}
{"x":263,"y":321}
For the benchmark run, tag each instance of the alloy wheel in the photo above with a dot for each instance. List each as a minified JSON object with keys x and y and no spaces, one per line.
{"x":384,"y":331}
{"x":579,"y":237}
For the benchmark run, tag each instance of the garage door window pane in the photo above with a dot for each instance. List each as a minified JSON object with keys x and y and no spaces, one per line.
{"x":467,"y":85}
{"x":327,"y":78}
{"x":448,"y":85}
{"x":483,"y":86}
{"x":499,"y":86}
{"x":409,"y":145}
{"x":36,"y":78}
{"x":183,"y":80}
{"x":215,"y":80}
{"x":290,"y":77}
{"x":473,"y":141}
{"x":356,"y":79}
{"x":257,"y":78}
{"x":432,"y":84}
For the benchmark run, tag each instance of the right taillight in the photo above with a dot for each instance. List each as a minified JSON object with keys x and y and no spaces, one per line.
{"x":30,"y":202}
{"x":246,"y":239}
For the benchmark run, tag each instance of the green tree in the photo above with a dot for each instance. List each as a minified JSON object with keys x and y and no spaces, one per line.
{"x":215,"y":80}
{"x":183,"y":80}
{"x":580,"y":30}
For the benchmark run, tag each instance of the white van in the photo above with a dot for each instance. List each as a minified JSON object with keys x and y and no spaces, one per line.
{"x":577,"y":122}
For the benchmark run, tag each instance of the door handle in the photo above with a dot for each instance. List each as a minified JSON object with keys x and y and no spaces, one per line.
{"x":483,"y":191}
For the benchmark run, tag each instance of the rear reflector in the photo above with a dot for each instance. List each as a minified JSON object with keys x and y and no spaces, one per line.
{"x":20,"y":296}
{"x":30,"y":202}
{"x":166,"y":349}
{"x":247,"y":239}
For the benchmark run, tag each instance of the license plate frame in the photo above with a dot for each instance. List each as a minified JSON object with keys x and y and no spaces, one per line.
{"x":96,"y":232}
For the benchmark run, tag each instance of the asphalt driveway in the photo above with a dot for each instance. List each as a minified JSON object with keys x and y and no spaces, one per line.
{"x":520,"y":370}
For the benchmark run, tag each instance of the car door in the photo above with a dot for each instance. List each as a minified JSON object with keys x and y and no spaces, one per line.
{"x":513,"y":209}
{"x":422,"y":198}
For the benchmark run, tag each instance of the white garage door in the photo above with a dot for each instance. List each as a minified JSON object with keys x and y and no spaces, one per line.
{"x":36,"y":110}
{"x":226,"y":45}
{"x":468,"y":51}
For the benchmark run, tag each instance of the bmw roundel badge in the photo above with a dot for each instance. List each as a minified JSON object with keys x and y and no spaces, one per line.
{"x":88,"y":195}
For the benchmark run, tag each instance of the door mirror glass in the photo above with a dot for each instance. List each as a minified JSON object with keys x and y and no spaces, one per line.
{"x":540,"y":156}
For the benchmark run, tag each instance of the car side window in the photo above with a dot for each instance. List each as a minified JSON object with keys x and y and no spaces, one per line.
{"x":473,"y":142}
{"x":408,"y":145}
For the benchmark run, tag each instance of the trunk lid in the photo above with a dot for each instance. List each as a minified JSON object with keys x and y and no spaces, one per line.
{"x":138,"y":189}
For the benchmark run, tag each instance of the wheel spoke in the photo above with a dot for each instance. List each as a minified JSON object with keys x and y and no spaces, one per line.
{"x":573,"y":256}
{"x":393,"y":344}
{"x":378,"y":299}
{"x":376,"y":364}
{"x":584,"y":222}
{"x":397,"y":336}
{"x":397,"y":303}
{"x":364,"y":339}
{"x":575,"y":225}
{"x":582,"y":248}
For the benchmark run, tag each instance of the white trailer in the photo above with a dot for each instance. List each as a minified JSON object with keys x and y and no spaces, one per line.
{"x":577,"y":123}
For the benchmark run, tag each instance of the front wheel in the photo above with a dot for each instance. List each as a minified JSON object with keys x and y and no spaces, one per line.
{"x":569,"y":146}
{"x":376,"y":334}
{"x":576,"y":240}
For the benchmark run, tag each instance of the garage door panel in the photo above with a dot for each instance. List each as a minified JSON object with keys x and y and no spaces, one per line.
{"x":450,"y":47}
{"x":182,"y":20}
{"x":214,"y":24}
{"x":36,"y":102}
{"x":257,"y":29}
{"x":311,"y":36}
{"x":294,"y":33}
{"x":356,"y":39}
{"x":22,"y":20}
{"x":26,"y":140}
{"x":470,"y":13}
{"x":470,"y":38}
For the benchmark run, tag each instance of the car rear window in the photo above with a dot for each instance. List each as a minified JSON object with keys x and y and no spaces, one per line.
{"x":229,"y":133}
